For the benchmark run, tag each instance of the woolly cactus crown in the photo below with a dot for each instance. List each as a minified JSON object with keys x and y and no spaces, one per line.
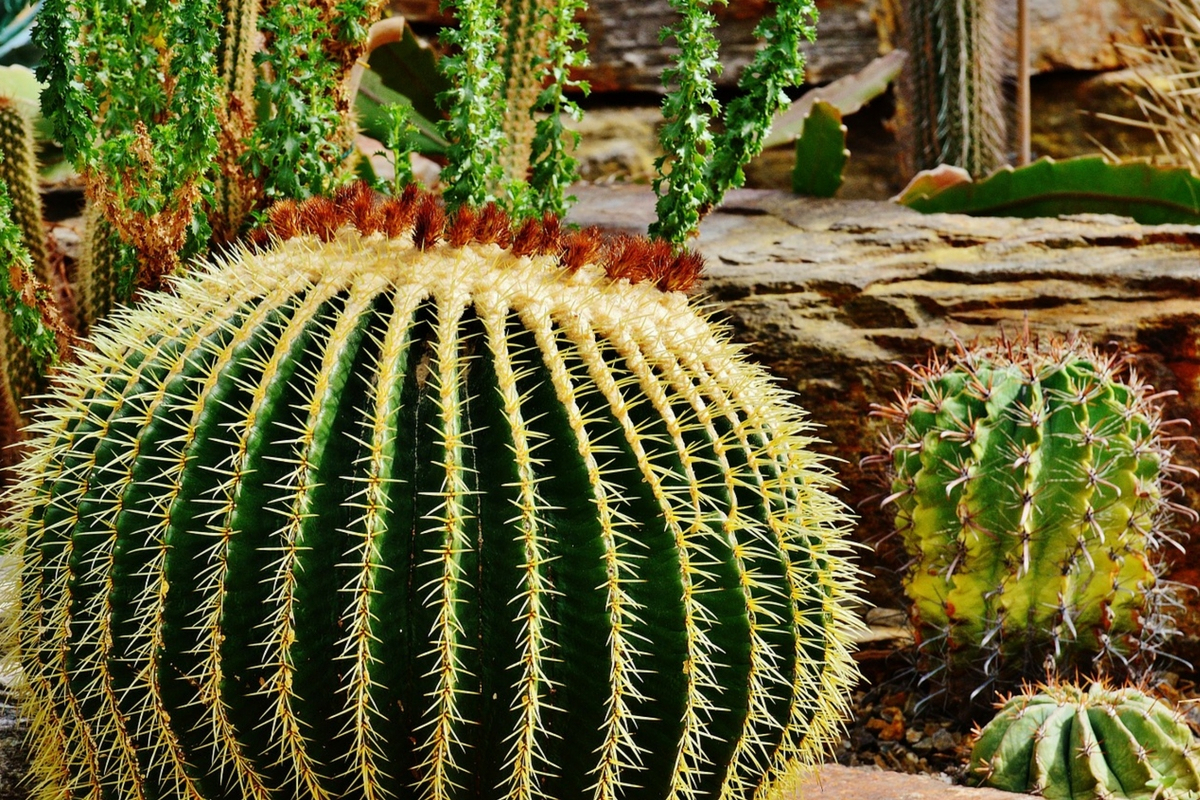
{"x":445,"y":511}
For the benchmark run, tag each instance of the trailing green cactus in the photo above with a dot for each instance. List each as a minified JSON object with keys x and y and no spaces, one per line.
{"x":427,"y":509}
{"x":1029,"y":489}
{"x":951,"y":90}
{"x":1067,"y":743}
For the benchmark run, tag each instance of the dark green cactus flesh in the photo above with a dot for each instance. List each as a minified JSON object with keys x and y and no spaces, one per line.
{"x":381,"y":517}
{"x":1029,"y":491}
{"x":1065,"y":743}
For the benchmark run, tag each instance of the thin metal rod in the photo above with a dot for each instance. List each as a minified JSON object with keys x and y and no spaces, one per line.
{"x":1023,"y":110}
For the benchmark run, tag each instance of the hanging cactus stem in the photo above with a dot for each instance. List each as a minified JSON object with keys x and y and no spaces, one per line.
{"x":397,"y":505}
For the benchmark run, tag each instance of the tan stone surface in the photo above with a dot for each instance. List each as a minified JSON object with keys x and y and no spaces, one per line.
{"x":835,"y":782}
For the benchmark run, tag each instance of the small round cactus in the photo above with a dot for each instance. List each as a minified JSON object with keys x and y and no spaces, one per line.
{"x":1029,"y":482}
{"x":1066,"y":743}
{"x":401,"y":506}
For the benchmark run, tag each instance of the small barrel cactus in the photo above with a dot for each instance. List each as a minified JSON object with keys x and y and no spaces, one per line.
{"x":400,"y":506}
{"x":1029,"y":489}
{"x":1066,"y":743}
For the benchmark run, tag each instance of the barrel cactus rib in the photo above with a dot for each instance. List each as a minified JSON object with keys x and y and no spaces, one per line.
{"x":449,"y":587}
{"x":370,"y":762}
{"x":526,"y":759}
{"x":619,"y":751}
{"x":391,"y":491}
{"x":162,"y":427}
{"x":809,"y":722}
{"x":818,"y":597}
{"x":207,"y":613}
{"x":740,"y":536}
{"x":68,"y":512}
{"x":58,"y":752}
{"x":692,"y":555}
{"x":296,"y":504}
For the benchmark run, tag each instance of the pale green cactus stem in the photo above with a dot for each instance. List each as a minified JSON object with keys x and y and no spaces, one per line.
{"x":103,"y":279}
{"x":1029,"y":484}
{"x":426,"y":515}
{"x":1062,"y":742}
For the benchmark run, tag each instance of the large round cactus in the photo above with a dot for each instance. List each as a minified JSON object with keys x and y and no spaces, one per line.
{"x":1029,"y":489}
{"x":1067,"y":743}
{"x":399,"y":508}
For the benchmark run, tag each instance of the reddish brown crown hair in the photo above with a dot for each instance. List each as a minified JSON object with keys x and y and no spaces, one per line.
{"x":421,"y":213}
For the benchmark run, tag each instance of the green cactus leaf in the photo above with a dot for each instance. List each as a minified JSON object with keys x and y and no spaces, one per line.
{"x":1085,"y":185}
{"x":409,"y":68}
{"x":373,"y":96}
{"x":820,"y":152}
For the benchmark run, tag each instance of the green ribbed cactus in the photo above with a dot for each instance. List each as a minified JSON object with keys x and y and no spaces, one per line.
{"x":1029,"y":489}
{"x":1066,"y":743}
{"x":427,"y":509}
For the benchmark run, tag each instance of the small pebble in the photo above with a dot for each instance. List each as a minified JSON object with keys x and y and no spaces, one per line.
{"x":943,"y":740}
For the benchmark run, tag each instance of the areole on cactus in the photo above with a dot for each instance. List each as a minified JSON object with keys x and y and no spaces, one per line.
{"x":401,"y":505}
{"x":1030,"y":485}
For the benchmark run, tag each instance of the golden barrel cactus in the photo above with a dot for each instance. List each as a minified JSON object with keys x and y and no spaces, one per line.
{"x":401,"y":506}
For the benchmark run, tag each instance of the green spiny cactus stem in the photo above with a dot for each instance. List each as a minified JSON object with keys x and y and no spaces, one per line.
{"x":235,"y":192}
{"x":104,"y":273}
{"x":1063,"y":742}
{"x":22,"y":370}
{"x":18,"y":170}
{"x":406,"y":506}
{"x":1029,"y":484}
{"x":952,"y":87}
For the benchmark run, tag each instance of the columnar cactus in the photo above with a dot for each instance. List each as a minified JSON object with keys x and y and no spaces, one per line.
{"x":22,"y":369}
{"x":1029,"y":489}
{"x":952,"y":93}
{"x":396,"y":506}
{"x":1067,"y":743}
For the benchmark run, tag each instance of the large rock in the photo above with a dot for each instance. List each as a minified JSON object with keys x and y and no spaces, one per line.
{"x":828,"y":295}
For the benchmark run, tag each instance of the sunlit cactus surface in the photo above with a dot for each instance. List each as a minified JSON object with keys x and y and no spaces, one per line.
{"x":1063,"y":742}
{"x":412,"y":507}
{"x":1030,"y":487}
